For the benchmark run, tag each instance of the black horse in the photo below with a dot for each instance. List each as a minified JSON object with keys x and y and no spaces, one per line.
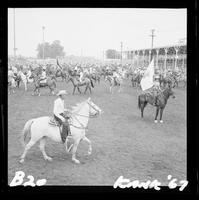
{"x":162,"y":98}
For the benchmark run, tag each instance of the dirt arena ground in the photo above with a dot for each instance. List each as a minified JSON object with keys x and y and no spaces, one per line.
{"x":123,"y":143}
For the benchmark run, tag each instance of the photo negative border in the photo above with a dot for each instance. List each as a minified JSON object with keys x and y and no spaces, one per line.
{"x":192,"y":99}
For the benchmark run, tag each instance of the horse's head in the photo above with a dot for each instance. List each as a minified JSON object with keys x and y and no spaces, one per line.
{"x":170,"y":92}
{"x":94,"y":110}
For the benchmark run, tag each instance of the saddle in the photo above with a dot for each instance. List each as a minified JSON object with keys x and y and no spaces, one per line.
{"x":64,"y":130}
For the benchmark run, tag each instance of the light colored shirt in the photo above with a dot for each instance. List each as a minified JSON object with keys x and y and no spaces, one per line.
{"x":43,"y":75}
{"x":59,"y":107}
{"x":28,"y":73}
{"x":23,"y":77}
{"x":10,"y":73}
{"x":14,"y":69}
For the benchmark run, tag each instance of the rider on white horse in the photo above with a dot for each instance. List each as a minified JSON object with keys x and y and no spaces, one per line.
{"x":28,"y":75}
{"x":11,"y":76}
{"x":58,"y":112}
{"x":116,"y":76}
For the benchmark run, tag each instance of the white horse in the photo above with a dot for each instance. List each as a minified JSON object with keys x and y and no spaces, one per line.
{"x":23,"y":78}
{"x":11,"y":84}
{"x":40,"y":129}
{"x":113,"y":83}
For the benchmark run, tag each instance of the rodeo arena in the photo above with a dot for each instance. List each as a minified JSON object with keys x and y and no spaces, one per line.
{"x":77,"y":120}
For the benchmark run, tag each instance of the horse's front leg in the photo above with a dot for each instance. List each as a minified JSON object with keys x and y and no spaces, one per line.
{"x":156,"y":115}
{"x":89,"y":143}
{"x":74,"y":150}
{"x":74,"y":89}
{"x":161,"y":112}
{"x":85,"y":89}
{"x":25,"y":85}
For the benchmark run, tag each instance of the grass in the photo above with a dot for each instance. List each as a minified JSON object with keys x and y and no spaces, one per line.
{"x":123,"y":143}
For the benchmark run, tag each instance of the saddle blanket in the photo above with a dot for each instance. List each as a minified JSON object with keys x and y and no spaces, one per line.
{"x":53,"y":122}
{"x":43,"y":81}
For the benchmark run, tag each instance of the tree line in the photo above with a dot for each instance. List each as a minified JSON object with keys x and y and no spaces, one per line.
{"x":50,"y":50}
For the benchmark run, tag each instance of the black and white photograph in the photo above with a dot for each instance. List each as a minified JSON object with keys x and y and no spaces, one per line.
{"x":97,"y":97}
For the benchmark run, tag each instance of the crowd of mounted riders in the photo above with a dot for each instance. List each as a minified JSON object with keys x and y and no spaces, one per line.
{"x":84,"y":74}
{"x":169,"y":77}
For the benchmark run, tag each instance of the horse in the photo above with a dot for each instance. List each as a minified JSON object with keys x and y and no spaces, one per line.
{"x":162,"y":98}
{"x":24,"y":79}
{"x":50,"y":83}
{"x":17,"y":79}
{"x":136,"y":79}
{"x":60,"y":73}
{"x":168,"y":81}
{"x":40,"y":130}
{"x":114,"y":82}
{"x":95,"y":77}
{"x":11,"y":85}
{"x":76,"y":84}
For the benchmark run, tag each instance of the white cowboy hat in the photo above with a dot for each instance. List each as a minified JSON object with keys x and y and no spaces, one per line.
{"x":61,"y":92}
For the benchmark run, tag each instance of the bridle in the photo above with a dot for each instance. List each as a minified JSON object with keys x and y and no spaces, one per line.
{"x":89,"y":116}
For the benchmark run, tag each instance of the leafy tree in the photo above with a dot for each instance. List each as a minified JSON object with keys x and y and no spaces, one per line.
{"x":50,"y":50}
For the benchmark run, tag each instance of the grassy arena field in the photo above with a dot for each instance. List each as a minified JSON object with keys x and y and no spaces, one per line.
{"x":123,"y":143}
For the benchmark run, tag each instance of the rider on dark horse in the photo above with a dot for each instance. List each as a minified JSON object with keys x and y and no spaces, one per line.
{"x":59,"y":115}
{"x":43,"y":76}
{"x":156,"y":88}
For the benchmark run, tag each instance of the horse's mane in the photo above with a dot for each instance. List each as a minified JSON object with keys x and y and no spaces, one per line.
{"x":77,"y":107}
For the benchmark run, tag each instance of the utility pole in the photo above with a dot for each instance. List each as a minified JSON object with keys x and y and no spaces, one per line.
{"x":121,"y":51}
{"x":152,"y":36}
{"x":43,"y":40}
{"x":14,"y":36}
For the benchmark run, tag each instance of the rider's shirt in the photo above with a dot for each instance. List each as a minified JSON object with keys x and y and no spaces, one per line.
{"x":14,"y":69}
{"x":81,"y":76}
{"x":10,"y":73}
{"x":58,"y":107}
{"x":115,"y":74}
{"x":28,"y":73}
{"x":23,"y":77}
{"x":156,"y":85}
{"x":43,"y":75}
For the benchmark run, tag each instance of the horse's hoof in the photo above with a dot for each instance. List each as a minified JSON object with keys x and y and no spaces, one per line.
{"x":49,"y":159}
{"x":156,"y":121}
{"x":76,"y":161}
{"x":161,"y":121}
{"x":22,"y":160}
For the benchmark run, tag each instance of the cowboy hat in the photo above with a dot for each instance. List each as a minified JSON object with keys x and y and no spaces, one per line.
{"x":61,"y":92}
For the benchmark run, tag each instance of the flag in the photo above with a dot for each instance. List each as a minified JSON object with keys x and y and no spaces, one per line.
{"x":147,"y":79}
{"x":58,"y":64}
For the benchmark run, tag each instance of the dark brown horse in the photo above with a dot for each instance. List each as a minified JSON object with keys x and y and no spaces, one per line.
{"x":162,"y":98}
{"x":50,"y":83}
{"x":76,"y":84}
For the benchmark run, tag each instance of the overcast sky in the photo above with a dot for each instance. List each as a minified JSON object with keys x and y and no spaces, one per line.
{"x":91,"y":31}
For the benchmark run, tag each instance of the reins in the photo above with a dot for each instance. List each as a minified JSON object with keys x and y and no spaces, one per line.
{"x":90,"y":116}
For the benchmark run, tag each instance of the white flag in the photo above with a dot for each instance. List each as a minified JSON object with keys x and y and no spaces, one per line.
{"x":147,"y":79}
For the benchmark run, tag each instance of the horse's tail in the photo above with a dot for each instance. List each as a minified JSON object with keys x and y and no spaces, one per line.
{"x":25,"y":131}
